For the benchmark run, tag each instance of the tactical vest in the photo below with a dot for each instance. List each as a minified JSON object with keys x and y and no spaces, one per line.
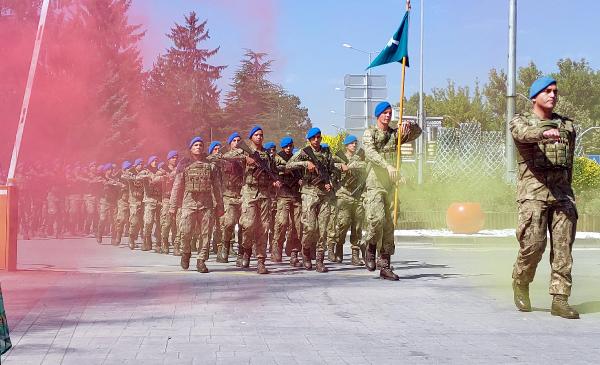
{"x":253,"y":177}
{"x":136,"y":189}
{"x":385,"y":144}
{"x":292,"y":178}
{"x":233,"y":175}
{"x":198,"y":177}
{"x":549,"y":154}
{"x":313,"y":177}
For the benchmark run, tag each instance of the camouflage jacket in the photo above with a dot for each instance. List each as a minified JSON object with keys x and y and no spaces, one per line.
{"x":231,"y":169}
{"x":313,"y":182}
{"x":352,"y":181}
{"x":136,"y":187}
{"x":536,"y":183}
{"x":196,"y":186}
{"x":290,"y":179}
{"x":257,"y":184}
{"x":380,"y":152}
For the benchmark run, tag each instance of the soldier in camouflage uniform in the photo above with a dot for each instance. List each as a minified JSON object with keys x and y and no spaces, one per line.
{"x":90,"y":199}
{"x":214,"y":154}
{"x":380,"y":145}
{"x":349,"y":202}
{"x":75,"y":200}
{"x":289,"y":207}
{"x":258,"y":181}
{"x":545,"y":144}
{"x":198,"y":184}
{"x":107,"y":207}
{"x":136,"y":197}
{"x":122,"y":218}
{"x":233,"y":180}
{"x":168,"y":228}
{"x":152,"y":180}
{"x":317,"y":167}
{"x":271,"y":149}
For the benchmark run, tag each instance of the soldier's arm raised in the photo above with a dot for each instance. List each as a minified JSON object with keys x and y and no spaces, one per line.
{"x":523,"y":132}
{"x":370,"y":153}
{"x":298,"y":161}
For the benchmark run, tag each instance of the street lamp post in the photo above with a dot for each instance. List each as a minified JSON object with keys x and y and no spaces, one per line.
{"x":367,"y":74}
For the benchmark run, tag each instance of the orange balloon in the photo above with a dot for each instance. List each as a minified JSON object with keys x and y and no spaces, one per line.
{"x":467,"y":218}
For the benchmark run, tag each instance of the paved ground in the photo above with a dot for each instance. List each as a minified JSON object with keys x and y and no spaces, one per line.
{"x":75,"y":302}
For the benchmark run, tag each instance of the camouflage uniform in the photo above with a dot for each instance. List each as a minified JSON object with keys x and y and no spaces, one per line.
{"x":136,"y":197}
{"x":233,"y":180}
{"x":546,"y":200}
{"x":55,"y":208}
{"x":91,"y":195}
{"x":380,"y":152}
{"x":167,"y":220}
{"x":122,"y":219}
{"x":350,"y":211}
{"x":75,"y":201}
{"x":288,"y":213}
{"x":197,"y":186}
{"x":107,"y":209}
{"x":316,"y":203}
{"x":152,"y":180}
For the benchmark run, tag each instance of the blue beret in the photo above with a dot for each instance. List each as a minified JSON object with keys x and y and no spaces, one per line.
{"x":160,"y":165}
{"x":194,"y":140}
{"x":349,"y":139}
{"x":212,"y":146}
{"x":312,"y":132}
{"x":381,"y":107}
{"x":152,"y":158}
{"x":540,"y":85}
{"x":269,"y":145}
{"x":172,"y":154}
{"x":255,"y":129}
{"x":138,"y":161}
{"x":126,"y":165}
{"x":232,"y":136}
{"x":106,"y":167}
{"x":286,"y":141}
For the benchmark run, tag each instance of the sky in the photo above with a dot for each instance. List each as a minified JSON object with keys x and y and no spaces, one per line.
{"x":463,"y":40}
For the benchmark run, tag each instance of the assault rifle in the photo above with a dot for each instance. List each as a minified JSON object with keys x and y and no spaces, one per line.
{"x":323,"y":173}
{"x":261,"y":164}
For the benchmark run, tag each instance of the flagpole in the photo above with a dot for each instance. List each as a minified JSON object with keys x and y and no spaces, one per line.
{"x":399,"y":142}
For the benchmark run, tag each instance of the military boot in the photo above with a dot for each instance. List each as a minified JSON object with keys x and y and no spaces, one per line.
{"x":246,"y":258}
{"x":370,"y":258}
{"x":261,"y":268}
{"x":157,"y":247}
{"x":386,"y":272}
{"x":306,"y":259}
{"x":215,"y":247}
{"x":339,"y":253}
{"x":165,"y":247}
{"x":132,"y":244}
{"x":521,"y":296}
{"x":99,"y":235}
{"x":118,"y":237}
{"x":356,"y":261}
{"x":219,"y":253}
{"x":320,"y":264}
{"x":330,"y":252}
{"x":201,"y":266}
{"x":294,"y":261}
{"x":145,"y":244}
{"x":176,"y":251}
{"x":223,"y":255}
{"x":185,"y":260}
{"x":240,"y":257}
{"x":561,"y":307}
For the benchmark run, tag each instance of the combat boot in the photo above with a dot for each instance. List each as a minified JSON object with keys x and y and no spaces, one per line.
{"x":145,"y":244}
{"x":246,"y":258}
{"x":201,"y":266}
{"x":561,"y":307}
{"x":176,"y":251}
{"x":294,"y":261}
{"x":240,"y":257}
{"x":356,"y":261}
{"x":521,"y":296}
{"x":215,"y":248}
{"x":386,"y":272}
{"x":339,"y":253}
{"x":306,"y":259}
{"x":132,"y":244}
{"x":165,"y":248}
{"x":262,"y":269}
{"x":223,"y":255}
{"x":331,"y":252}
{"x":370,"y":258}
{"x":320,"y":264}
{"x":185,"y":260}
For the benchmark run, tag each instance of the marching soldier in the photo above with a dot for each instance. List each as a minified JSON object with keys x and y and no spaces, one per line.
{"x":380,"y":143}
{"x":317,"y":167}
{"x":289,"y":207}
{"x":214,"y":153}
{"x":168,"y":226}
{"x":122,"y":219}
{"x":152,"y":181}
{"x":545,"y":144}
{"x":197,"y":184}
{"x":108,"y":204}
{"x":136,"y":197}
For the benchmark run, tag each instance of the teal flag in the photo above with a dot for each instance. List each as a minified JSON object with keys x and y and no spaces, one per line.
{"x":397,"y":47}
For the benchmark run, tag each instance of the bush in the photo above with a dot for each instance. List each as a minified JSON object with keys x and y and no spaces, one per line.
{"x":586,"y":175}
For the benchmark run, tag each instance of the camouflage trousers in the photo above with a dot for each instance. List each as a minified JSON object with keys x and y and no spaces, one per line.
{"x":122,"y":218}
{"x":331,"y":225}
{"x":90,"y":213}
{"x":316,"y":211}
{"x":136,"y":218}
{"x":350,"y":215}
{"x":379,"y":221}
{"x":177,"y":240}
{"x":75,"y":213}
{"x":536,"y":218}
{"x":231,"y":217}
{"x":288,"y":223}
{"x":106,"y":218}
{"x":255,"y":223}
{"x":53,"y":221}
{"x":195,"y":221}
{"x":168,"y":228}
{"x":151,"y":219}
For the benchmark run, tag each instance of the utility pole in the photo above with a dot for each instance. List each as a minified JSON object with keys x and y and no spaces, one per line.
{"x":511,"y":89}
{"x":421,"y":139}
